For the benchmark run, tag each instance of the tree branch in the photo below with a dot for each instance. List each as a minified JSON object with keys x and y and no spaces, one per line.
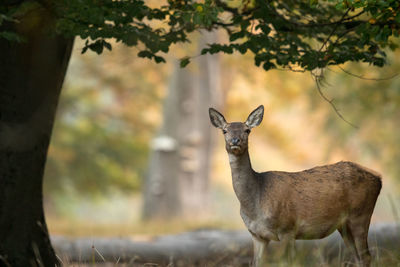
{"x":233,"y":10}
{"x":333,"y":30}
{"x":313,"y":24}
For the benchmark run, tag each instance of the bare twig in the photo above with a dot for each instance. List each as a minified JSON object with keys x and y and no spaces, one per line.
{"x":314,"y":24}
{"x":233,"y":10}
{"x":364,"y":78}
{"x":224,"y":24}
{"x":344,"y":21}
{"x":318,"y":79}
{"x":290,"y":68}
{"x":333,"y":30}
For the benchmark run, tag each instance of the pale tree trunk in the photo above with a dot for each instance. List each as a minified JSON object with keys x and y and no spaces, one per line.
{"x":178,"y":181}
{"x":31,"y":76}
{"x":161,"y":199}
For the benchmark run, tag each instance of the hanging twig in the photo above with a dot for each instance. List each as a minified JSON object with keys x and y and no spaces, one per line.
{"x":318,"y":79}
{"x":368,"y":79}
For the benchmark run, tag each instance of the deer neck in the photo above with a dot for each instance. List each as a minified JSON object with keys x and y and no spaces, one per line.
{"x":244,"y":180}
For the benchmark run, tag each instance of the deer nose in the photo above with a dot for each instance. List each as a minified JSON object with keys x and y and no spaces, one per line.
{"x":235,"y":141}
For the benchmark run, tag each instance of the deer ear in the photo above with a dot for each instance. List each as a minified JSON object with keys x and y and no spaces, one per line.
{"x":216,"y":118}
{"x":255,"y":117}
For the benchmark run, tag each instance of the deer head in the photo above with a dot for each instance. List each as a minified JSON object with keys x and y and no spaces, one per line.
{"x":236,"y":133}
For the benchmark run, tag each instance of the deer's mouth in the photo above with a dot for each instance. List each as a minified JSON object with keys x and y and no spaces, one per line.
{"x":235,"y":147}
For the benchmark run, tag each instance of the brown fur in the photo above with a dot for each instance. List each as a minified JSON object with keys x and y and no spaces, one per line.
{"x":328,"y":194}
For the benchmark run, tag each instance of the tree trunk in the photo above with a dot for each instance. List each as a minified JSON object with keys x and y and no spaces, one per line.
{"x":31,"y":76}
{"x":161,"y":199}
{"x":178,"y":180}
{"x":195,"y":133}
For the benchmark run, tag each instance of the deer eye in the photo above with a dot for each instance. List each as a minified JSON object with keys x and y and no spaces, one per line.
{"x":224,"y":131}
{"x":247,"y":131}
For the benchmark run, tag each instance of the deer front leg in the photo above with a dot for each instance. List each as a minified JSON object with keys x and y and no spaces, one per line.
{"x":260,"y":249}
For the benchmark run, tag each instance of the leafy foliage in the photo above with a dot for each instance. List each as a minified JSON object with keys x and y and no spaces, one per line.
{"x":297,"y":34}
{"x":8,"y":35}
{"x":133,"y":23}
{"x":294,"y":34}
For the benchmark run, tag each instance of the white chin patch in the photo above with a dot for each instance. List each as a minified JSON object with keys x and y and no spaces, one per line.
{"x":235,"y":147}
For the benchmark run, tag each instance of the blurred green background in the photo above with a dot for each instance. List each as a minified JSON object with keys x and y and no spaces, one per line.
{"x":113,"y":106}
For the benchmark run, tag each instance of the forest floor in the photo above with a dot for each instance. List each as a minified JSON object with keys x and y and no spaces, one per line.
{"x":220,"y":248}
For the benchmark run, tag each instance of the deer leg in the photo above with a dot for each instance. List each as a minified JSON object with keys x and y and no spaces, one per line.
{"x":362,"y":247}
{"x":359,"y":229}
{"x":361,"y":240}
{"x":259,"y":256}
{"x":348,"y":239}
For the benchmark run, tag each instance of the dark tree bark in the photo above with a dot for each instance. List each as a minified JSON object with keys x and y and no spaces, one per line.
{"x":31,"y":76}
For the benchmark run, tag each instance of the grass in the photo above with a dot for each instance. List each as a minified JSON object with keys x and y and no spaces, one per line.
{"x":316,"y":256}
{"x":142,"y":231}
{"x":386,"y":259}
{"x":138,"y":230}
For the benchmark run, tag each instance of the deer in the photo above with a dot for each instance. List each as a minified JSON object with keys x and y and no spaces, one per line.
{"x":309,"y":204}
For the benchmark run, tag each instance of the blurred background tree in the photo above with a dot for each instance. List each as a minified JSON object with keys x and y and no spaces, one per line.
{"x":105,"y":121}
{"x":177,"y":184}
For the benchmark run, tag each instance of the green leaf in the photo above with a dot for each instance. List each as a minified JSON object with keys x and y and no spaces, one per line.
{"x":313,"y":3}
{"x":204,"y":51}
{"x":268,"y":65}
{"x":84,"y":49}
{"x":130,"y":39}
{"x":184,"y":62}
{"x":242,"y":49}
{"x":97,"y":47}
{"x":159,"y":59}
{"x":145,"y":53}
{"x":107,"y":45}
{"x":236,"y":35}
{"x":12,"y":36}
